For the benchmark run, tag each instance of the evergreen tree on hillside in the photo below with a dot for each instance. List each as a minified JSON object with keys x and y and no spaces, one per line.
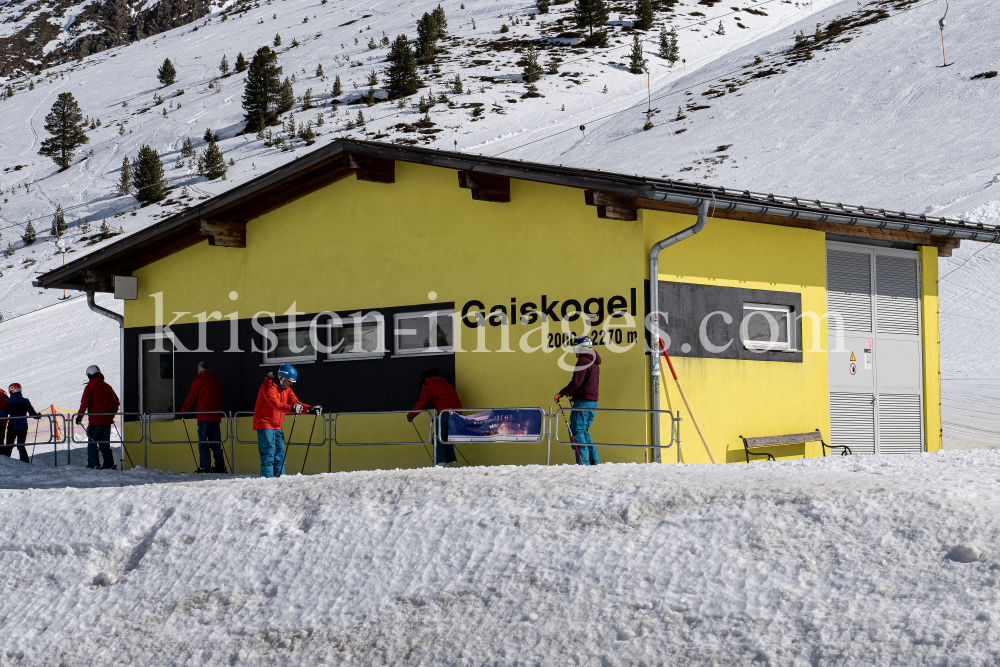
{"x":167,"y":74}
{"x":224,"y":65}
{"x":532,"y":70}
{"x":277,"y":40}
{"x":29,"y":235}
{"x":241,"y":63}
{"x":636,"y":62}
{"x":286,"y":96}
{"x":427,"y":36}
{"x":401,"y":78}
{"x":668,"y":45}
{"x":187,"y":148}
{"x":58,"y":222}
{"x":338,"y":90}
{"x":643,"y":14}
{"x":67,"y":126}
{"x":212,"y":163}
{"x":125,"y":181}
{"x":263,"y":88}
{"x":590,"y":13}
{"x":439,"y":20}
{"x":150,"y":183}
{"x":319,"y":70}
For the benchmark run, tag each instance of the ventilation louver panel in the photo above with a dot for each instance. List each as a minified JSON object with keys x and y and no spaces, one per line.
{"x":899,"y":418}
{"x":852,"y":421}
{"x":849,"y":289}
{"x":896,"y":295}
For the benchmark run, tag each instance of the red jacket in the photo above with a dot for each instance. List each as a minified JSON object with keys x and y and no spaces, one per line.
{"x":206,"y":393}
{"x":273,"y":403}
{"x":438,"y":393}
{"x":584,"y":384}
{"x":98,"y":397}
{"x":3,"y":404}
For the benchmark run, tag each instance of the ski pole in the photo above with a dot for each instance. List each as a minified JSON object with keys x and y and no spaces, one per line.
{"x":576,"y":447}
{"x":462,"y":455}
{"x":422,"y":442}
{"x":308,"y":445}
{"x":284,"y":452}
{"x":701,"y":435}
{"x":34,"y":440}
{"x":197,"y":466}
{"x":124,"y":449}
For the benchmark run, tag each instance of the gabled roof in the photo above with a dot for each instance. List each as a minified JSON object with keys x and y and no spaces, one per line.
{"x":616,"y":196}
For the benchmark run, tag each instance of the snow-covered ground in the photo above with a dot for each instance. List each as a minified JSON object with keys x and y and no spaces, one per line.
{"x":837,"y":561}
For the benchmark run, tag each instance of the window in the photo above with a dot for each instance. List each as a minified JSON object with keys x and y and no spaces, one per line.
{"x":430,"y":332}
{"x":357,"y":337}
{"x":293,"y":344}
{"x":767,"y":327}
{"x":156,"y":373}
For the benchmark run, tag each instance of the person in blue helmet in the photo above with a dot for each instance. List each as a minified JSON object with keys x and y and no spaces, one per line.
{"x":275,"y":399}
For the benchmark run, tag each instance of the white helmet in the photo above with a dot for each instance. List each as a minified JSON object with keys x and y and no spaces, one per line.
{"x":93,"y":370}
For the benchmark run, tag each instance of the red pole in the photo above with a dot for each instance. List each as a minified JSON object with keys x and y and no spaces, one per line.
{"x":701,"y":435}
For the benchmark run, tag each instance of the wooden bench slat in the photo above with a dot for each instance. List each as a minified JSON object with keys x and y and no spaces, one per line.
{"x":769,"y":440}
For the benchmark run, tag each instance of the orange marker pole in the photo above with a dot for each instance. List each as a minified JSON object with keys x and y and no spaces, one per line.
{"x":686,"y":404}
{"x":55,"y":422}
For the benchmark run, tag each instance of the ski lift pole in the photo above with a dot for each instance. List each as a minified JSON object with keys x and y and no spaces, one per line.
{"x":941,"y":24}
{"x":308,"y":445}
{"x":663,"y":349}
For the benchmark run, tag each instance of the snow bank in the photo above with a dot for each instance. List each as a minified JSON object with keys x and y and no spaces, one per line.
{"x":847,"y":561}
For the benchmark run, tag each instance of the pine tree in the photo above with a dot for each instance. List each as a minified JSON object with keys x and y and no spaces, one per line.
{"x":543,"y":6}
{"x":590,"y":13}
{"x":648,"y":125}
{"x":643,"y":14}
{"x":125,"y":181}
{"x":307,"y":135}
{"x":286,"y":96}
{"x":277,"y":40}
{"x":401,"y":78}
{"x":427,"y":36}
{"x":680,"y":114}
{"x":456,"y":85}
{"x":209,"y":136}
{"x":532,"y":70}
{"x":66,"y":124}
{"x":319,"y":70}
{"x":212,"y":163}
{"x":439,"y":20}
{"x":361,"y":119}
{"x":167,"y":74}
{"x":636,"y":63}
{"x":148,"y":178}
{"x":307,"y":99}
{"x":338,"y":90}
{"x":263,"y":88}
{"x":187,"y":148}
{"x":241,"y":63}
{"x":224,"y":65}
{"x":721,"y":30}
{"x":29,"y":235}
{"x":58,"y":222}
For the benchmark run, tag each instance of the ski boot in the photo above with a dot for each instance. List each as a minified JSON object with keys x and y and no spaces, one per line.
{"x":219,"y":470}
{"x":202,"y":470}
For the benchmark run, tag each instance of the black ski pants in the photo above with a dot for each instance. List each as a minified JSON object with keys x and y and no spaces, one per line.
{"x":16,"y":436}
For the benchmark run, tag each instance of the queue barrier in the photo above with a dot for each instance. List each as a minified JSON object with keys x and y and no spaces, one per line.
{"x":171,"y":417}
{"x":54,"y":437}
{"x":311,"y":442}
{"x":72,"y":440}
{"x":674,"y":425}
{"x":542,"y":431}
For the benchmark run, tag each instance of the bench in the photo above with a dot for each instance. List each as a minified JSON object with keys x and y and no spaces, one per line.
{"x":791,"y":438}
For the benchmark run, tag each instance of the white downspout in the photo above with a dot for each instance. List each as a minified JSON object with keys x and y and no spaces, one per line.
{"x":654,"y":309}
{"x":120,"y":319}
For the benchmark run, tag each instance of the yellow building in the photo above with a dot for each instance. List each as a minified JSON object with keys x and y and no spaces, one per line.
{"x":344,"y":261}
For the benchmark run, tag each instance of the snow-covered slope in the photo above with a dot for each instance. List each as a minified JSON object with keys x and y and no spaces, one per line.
{"x":838,"y":561}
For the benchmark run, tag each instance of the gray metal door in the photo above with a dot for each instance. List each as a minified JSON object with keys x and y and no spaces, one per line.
{"x":875,"y":363}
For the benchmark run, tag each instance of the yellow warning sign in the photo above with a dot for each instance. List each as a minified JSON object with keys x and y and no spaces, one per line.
{"x":852,"y":357}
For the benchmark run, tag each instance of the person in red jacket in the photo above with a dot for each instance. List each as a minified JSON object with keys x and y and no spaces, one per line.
{"x":101,"y":401}
{"x":206,"y":397}
{"x":438,"y":393}
{"x":275,"y":399}
{"x":583,"y":389}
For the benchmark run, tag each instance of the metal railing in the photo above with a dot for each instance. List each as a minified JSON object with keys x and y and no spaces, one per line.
{"x":531,"y":439}
{"x":53,"y":438}
{"x":72,"y":421}
{"x":430,"y":440}
{"x":169,"y":418}
{"x":289,"y":442}
{"x":562,"y":411}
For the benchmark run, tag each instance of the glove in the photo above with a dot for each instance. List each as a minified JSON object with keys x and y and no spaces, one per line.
{"x":409,"y":419}
{"x":316,"y":409}
{"x":298,"y":408}
{"x":79,"y":419}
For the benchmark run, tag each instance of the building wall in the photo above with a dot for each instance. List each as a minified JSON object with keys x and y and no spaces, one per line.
{"x":931,"y":348}
{"x":423,"y":241}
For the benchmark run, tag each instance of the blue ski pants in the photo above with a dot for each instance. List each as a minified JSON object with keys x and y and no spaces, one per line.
{"x":210,"y":442}
{"x":579,"y":425}
{"x":271,"y":445}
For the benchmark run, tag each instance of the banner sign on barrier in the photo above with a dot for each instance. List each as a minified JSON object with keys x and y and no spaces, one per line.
{"x":505,"y":425}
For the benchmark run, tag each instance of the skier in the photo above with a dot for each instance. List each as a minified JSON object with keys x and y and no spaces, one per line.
{"x":17,"y":408}
{"x":206,"y":395}
{"x":3,"y":421}
{"x":102,"y":402}
{"x":582,"y":390}
{"x":275,"y":399}
{"x":437,"y":392}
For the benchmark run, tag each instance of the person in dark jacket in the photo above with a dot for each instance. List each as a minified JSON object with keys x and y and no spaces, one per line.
{"x":582,"y":390}
{"x":206,"y":397}
{"x":438,"y":393}
{"x":101,"y":401}
{"x":17,"y":408}
{"x":3,"y":419}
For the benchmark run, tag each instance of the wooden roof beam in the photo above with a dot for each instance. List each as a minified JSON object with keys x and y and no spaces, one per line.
{"x":485,"y":187}
{"x":370,"y":168}
{"x":611,"y":205}
{"x":225,"y":234}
